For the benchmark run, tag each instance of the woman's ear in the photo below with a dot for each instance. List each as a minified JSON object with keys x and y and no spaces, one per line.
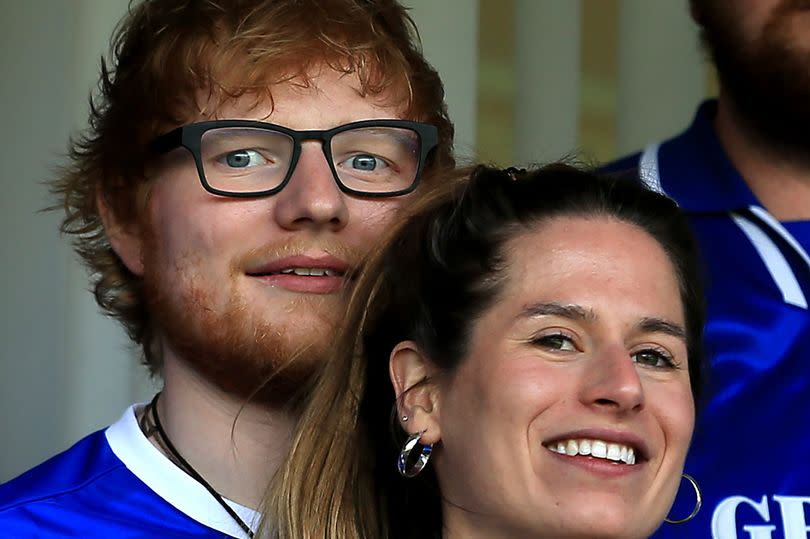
{"x":418,"y":396}
{"x":125,"y":239}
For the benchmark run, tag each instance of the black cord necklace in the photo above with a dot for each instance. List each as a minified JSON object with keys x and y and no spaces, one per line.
{"x":191,"y":471}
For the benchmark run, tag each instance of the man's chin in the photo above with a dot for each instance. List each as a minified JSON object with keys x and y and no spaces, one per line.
{"x":274,"y":373}
{"x":263,"y":353}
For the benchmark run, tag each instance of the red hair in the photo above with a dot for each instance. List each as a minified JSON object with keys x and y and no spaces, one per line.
{"x":166,"y":54}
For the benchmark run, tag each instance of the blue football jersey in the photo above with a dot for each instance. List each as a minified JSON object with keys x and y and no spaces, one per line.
{"x":751,"y":449}
{"x":114,"y":483}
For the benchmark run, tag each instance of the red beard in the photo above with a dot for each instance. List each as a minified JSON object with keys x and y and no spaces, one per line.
{"x":234,"y":346}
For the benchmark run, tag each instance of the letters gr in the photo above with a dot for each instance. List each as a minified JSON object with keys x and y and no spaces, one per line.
{"x":791,"y":509}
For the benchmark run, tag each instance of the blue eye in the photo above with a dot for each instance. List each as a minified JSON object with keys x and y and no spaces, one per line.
{"x":366,"y":163}
{"x":243,"y":159}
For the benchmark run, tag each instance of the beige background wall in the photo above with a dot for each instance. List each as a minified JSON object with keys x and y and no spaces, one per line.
{"x":526,"y":80}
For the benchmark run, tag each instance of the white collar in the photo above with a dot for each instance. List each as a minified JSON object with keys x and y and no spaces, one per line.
{"x":170,"y":482}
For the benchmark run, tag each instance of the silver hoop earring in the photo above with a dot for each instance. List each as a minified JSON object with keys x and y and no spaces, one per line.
{"x":421,"y":461}
{"x":698,"y":502}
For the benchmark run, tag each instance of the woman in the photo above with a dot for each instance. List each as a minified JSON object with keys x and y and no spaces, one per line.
{"x":542,"y":335}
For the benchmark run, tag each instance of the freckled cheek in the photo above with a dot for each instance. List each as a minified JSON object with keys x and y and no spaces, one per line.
{"x":204,"y":234}
{"x":370,"y":217}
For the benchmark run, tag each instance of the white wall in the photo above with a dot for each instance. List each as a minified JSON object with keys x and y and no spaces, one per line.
{"x":64,"y":369}
{"x":547,"y":73}
{"x":661,"y":74}
{"x":449,"y":32}
{"x":33,"y":283}
{"x":661,"y":71}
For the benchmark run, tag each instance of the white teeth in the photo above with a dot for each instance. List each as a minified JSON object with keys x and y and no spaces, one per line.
{"x":595,"y":448}
{"x":315,"y":272}
{"x":585,"y":447}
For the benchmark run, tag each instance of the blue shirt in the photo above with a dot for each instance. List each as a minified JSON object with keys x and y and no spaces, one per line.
{"x":751,"y":449}
{"x":114,"y":483}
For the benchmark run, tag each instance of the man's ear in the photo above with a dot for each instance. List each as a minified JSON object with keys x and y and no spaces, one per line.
{"x":418,"y":396}
{"x":126,"y":239}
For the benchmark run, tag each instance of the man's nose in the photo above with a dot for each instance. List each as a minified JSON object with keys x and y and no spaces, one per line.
{"x":312,"y":197}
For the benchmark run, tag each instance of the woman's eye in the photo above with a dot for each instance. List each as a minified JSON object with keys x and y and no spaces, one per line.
{"x":653,"y":358}
{"x":243,"y":159}
{"x":365,"y":163}
{"x":557,"y":341}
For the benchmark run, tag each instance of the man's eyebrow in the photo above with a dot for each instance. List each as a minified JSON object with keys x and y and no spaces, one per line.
{"x":659,"y":325}
{"x":573,"y":312}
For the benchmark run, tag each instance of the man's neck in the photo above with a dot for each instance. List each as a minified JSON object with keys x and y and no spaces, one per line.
{"x":235,"y":446}
{"x":780,"y":183}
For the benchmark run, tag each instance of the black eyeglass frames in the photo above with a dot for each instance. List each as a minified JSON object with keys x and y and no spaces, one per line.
{"x":245,"y":158}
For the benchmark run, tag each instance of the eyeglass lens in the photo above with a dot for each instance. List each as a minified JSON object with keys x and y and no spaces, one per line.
{"x":365,"y":159}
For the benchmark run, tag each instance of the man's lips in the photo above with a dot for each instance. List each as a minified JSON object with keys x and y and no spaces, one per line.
{"x":333,"y":265}
{"x":319,"y":274}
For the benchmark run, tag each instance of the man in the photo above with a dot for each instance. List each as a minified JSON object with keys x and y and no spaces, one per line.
{"x":241,"y":158}
{"x":742,"y":172}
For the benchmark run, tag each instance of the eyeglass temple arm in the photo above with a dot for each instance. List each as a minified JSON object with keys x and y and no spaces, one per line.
{"x":168,"y":142}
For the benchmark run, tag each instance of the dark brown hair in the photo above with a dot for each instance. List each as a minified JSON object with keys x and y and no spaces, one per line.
{"x":440,"y":271}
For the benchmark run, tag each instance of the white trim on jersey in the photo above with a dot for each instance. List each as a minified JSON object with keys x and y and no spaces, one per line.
{"x":170,"y":482}
{"x":648,"y":168}
{"x":781,"y":230}
{"x":773,"y":259}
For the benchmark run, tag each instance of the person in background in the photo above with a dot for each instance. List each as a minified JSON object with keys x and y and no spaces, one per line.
{"x":535,"y":339}
{"x":741,"y":172}
{"x":240,"y":159}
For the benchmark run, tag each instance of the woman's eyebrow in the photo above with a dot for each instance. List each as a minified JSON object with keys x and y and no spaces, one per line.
{"x":572,"y":311}
{"x":577,"y":312}
{"x":659,"y":325}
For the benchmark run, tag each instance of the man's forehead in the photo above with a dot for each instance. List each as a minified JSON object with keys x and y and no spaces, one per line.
{"x":324,"y":96}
